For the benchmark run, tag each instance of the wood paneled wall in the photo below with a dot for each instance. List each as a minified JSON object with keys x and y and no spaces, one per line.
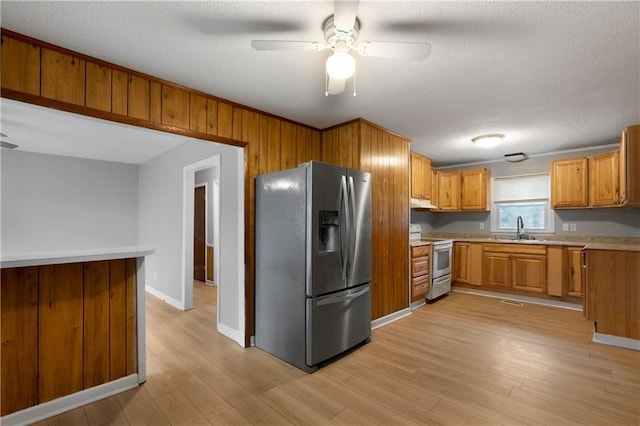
{"x":66,"y":328}
{"x":43,"y":74}
{"x":365,"y":146}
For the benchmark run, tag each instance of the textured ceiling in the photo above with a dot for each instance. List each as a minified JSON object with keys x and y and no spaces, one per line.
{"x":550,"y":75}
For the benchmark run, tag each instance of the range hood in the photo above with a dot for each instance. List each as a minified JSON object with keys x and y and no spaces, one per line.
{"x":420,"y":203}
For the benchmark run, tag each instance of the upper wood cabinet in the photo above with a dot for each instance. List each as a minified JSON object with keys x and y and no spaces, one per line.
{"x":420,"y":176}
{"x":449,"y":184}
{"x":475,"y":189}
{"x":610,"y":179}
{"x":569,"y":179}
{"x":629,"y":172}
{"x":604,"y":179}
{"x":462,"y":191}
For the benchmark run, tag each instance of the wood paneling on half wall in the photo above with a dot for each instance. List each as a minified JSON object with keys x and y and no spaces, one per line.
{"x":39,"y":73}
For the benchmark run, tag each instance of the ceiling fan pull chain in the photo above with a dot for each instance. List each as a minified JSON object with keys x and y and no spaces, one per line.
{"x":354,"y":83}
{"x":326,"y":83}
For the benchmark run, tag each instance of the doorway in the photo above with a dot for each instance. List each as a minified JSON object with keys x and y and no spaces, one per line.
{"x":200,"y":260}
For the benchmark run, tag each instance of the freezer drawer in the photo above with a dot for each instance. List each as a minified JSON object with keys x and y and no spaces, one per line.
{"x":337,"y":322}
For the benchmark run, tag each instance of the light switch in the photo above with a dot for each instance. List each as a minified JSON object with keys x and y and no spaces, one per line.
{"x":481,"y":225}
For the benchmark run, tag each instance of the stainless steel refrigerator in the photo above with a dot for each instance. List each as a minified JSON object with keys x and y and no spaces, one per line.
{"x":313,"y":262}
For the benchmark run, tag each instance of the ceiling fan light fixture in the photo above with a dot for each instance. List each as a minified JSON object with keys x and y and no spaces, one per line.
{"x":341,"y":65}
{"x":488,"y":141}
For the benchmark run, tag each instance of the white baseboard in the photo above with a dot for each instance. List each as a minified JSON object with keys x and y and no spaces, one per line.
{"x":518,"y":298}
{"x":232,"y":334}
{"x":623,"y":342}
{"x":69,"y":402}
{"x":390,"y":318}
{"x":160,"y":295}
{"x":415,"y":305}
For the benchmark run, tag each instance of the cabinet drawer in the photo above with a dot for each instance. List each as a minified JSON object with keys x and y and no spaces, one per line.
{"x":420,"y":251}
{"x":420,"y":285}
{"x":419,"y":266}
{"x":512,"y":248}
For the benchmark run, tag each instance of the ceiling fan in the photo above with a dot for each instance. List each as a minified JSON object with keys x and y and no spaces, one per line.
{"x":341,"y":32}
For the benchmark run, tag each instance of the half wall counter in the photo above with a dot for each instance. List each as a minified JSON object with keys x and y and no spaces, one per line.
{"x":73,"y":329}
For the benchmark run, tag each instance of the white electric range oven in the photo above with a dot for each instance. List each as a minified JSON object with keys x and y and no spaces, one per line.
{"x":441,"y":259}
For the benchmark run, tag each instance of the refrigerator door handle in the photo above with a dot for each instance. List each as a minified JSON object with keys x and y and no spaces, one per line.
{"x":354,"y":229}
{"x":344,"y":254}
{"x":333,"y":300}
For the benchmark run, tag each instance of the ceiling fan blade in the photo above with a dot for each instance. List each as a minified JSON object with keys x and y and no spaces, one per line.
{"x":285,"y":45}
{"x":395,"y":50}
{"x":344,"y":14}
{"x":336,"y":86}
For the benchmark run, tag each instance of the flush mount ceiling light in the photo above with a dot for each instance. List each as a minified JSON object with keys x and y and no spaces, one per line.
{"x":488,"y":141}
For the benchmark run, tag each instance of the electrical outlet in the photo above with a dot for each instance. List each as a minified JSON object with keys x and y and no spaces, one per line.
{"x":481,"y":225}
{"x":573,"y":227}
{"x":154,"y":276}
{"x":565,"y":226}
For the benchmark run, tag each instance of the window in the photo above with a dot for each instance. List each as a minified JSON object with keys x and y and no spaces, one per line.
{"x":526,"y":196}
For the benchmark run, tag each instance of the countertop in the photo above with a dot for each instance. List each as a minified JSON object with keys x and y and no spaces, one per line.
{"x":589,"y":243}
{"x":73,"y":256}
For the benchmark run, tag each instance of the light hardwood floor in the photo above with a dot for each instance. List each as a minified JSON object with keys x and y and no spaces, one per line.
{"x":466,"y":359}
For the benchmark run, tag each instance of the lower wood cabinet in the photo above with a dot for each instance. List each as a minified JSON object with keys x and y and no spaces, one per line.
{"x":496,"y":269}
{"x":467,"y":263}
{"x":515,"y":266}
{"x":575,"y":275}
{"x":529,"y":272}
{"x":420,"y":271}
{"x":65,"y":328}
{"x":613,"y":291}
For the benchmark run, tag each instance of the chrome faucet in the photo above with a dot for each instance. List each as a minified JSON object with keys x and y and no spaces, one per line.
{"x":519,"y":228}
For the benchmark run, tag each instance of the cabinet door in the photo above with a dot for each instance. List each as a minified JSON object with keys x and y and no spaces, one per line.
{"x":474,"y":264}
{"x":420,"y":176}
{"x":629,"y":170}
{"x":569,"y":183}
{"x":474,"y":189}
{"x":496,"y":269}
{"x":556,"y":271}
{"x":461,"y":262}
{"x":575,"y":286}
{"x":448,"y":191}
{"x":604,"y":179}
{"x":529,"y":272}
{"x":417,"y":176}
{"x":426,"y":177}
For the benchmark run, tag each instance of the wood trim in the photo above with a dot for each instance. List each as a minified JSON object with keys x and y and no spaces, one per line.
{"x":369,"y":123}
{"x":104,"y":115}
{"x":264,"y":137}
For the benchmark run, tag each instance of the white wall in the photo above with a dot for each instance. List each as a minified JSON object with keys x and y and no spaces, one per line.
{"x":208,"y":176}
{"x":161,"y":221}
{"x":55,"y":203}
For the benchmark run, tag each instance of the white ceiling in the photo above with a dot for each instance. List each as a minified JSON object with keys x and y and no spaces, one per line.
{"x":49,"y":131}
{"x":550,"y":75}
